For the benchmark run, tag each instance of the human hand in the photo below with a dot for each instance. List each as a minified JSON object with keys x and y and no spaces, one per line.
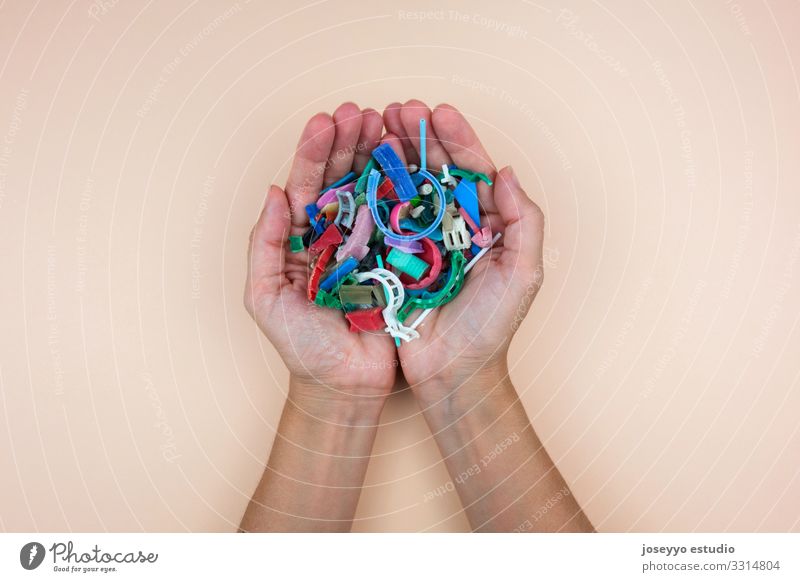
{"x":471,"y":334}
{"x":328,"y":363}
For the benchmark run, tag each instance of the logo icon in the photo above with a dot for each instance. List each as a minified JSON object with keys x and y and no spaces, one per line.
{"x":31,"y":555}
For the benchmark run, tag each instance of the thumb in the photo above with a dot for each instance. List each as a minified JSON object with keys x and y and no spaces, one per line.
{"x":523,"y":222}
{"x":266,"y":253}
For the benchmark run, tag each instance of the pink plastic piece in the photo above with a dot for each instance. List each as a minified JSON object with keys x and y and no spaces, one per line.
{"x":356,"y":245}
{"x":398,"y":212}
{"x":483,"y":238}
{"x":330,"y":195}
{"x":408,"y":246}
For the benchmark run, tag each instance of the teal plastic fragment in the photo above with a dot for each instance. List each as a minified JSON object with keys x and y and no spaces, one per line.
{"x":407,"y":263}
{"x":471,"y":176}
{"x":296,"y":244}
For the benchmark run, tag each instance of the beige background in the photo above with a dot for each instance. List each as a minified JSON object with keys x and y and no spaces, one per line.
{"x":660,"y":362}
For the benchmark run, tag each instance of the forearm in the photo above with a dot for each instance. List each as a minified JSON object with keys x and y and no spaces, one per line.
{"x":503,"y":475}
{"x":315,"y":471}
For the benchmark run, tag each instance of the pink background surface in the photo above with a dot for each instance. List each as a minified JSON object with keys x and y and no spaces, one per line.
{"x":659,"y":364}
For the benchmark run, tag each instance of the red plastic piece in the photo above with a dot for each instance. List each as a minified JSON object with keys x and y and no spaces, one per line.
{"x":331,"y":236}
{"x":316,"y":272}
{"x":386,"y":190}
{"x":366,"y":319}
{"x":431,"y":255}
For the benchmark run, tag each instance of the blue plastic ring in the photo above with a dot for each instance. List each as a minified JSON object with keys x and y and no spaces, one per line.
{"x":372,"y":202}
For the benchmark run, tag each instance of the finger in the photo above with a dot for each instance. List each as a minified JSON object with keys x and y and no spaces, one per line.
{"x":371,"y":127}
{"x":412,"y":112}
{"x":308,"y":166}
{"x":266,"y":253}
{"x":395,"y":144}
{"x":462,"y":143}
{"x":347,"y":119}
{"x":394,"y":124}
{"x":523,"y":223}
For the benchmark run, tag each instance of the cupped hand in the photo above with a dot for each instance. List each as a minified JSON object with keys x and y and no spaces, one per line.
{"x":471,"y":334}
{"x":314,"y":342}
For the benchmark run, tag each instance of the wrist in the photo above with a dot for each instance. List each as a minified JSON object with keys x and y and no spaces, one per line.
{"x":337,"y":405}
{"x":461,"y":387}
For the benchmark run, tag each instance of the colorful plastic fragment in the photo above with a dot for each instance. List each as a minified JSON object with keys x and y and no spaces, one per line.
{"x":366,"y":319}
{"x":296,"y":244}
{"x":409,"y":264}
{"x":331,"y":236}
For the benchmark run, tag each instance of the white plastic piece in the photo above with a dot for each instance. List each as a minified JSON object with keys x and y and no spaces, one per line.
{"x":467,"y":269}
{"x":454,"y":233}
{"x":395,"y":295}
{"x":347,"y":207}
{"x":425,"y":189}
{"x":447,"y":178}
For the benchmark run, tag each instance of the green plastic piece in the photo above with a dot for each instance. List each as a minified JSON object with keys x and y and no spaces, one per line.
{"x":445,"y":294}
{"x":361,"y":184}
{"x":407,"y":263}
{"x":296,"y":244}
{"x":325,"y":299}
{"x":471,"y":176}
{"x":360,"y":199}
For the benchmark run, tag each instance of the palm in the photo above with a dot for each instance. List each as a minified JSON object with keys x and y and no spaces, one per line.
{"x":476,"y":327}
{"x":316,"y":341}
{"x":313,"y":341}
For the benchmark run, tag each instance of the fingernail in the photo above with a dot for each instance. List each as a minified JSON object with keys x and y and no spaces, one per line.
{"x":512,"y":177}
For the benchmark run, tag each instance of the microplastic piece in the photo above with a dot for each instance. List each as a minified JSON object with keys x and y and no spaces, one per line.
{"x":366,"y":319}
{"x":471,"y":176}
{"x":423,"y":146}
{"x":455,"y":234}
{"x":331,"y":236}
{"x":356,"y":294}
{"x":357,"y":243}
{"x":407,"y":263}
{"x":338,"y":274}
{"x":372,"y":186}
{"x":408,"y":246}
{"x":296,"y":244}
{"x":395,"y":170}
{"x":466,"y":194}
{"x":340,"y":182}
{"x":347,"y":207}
